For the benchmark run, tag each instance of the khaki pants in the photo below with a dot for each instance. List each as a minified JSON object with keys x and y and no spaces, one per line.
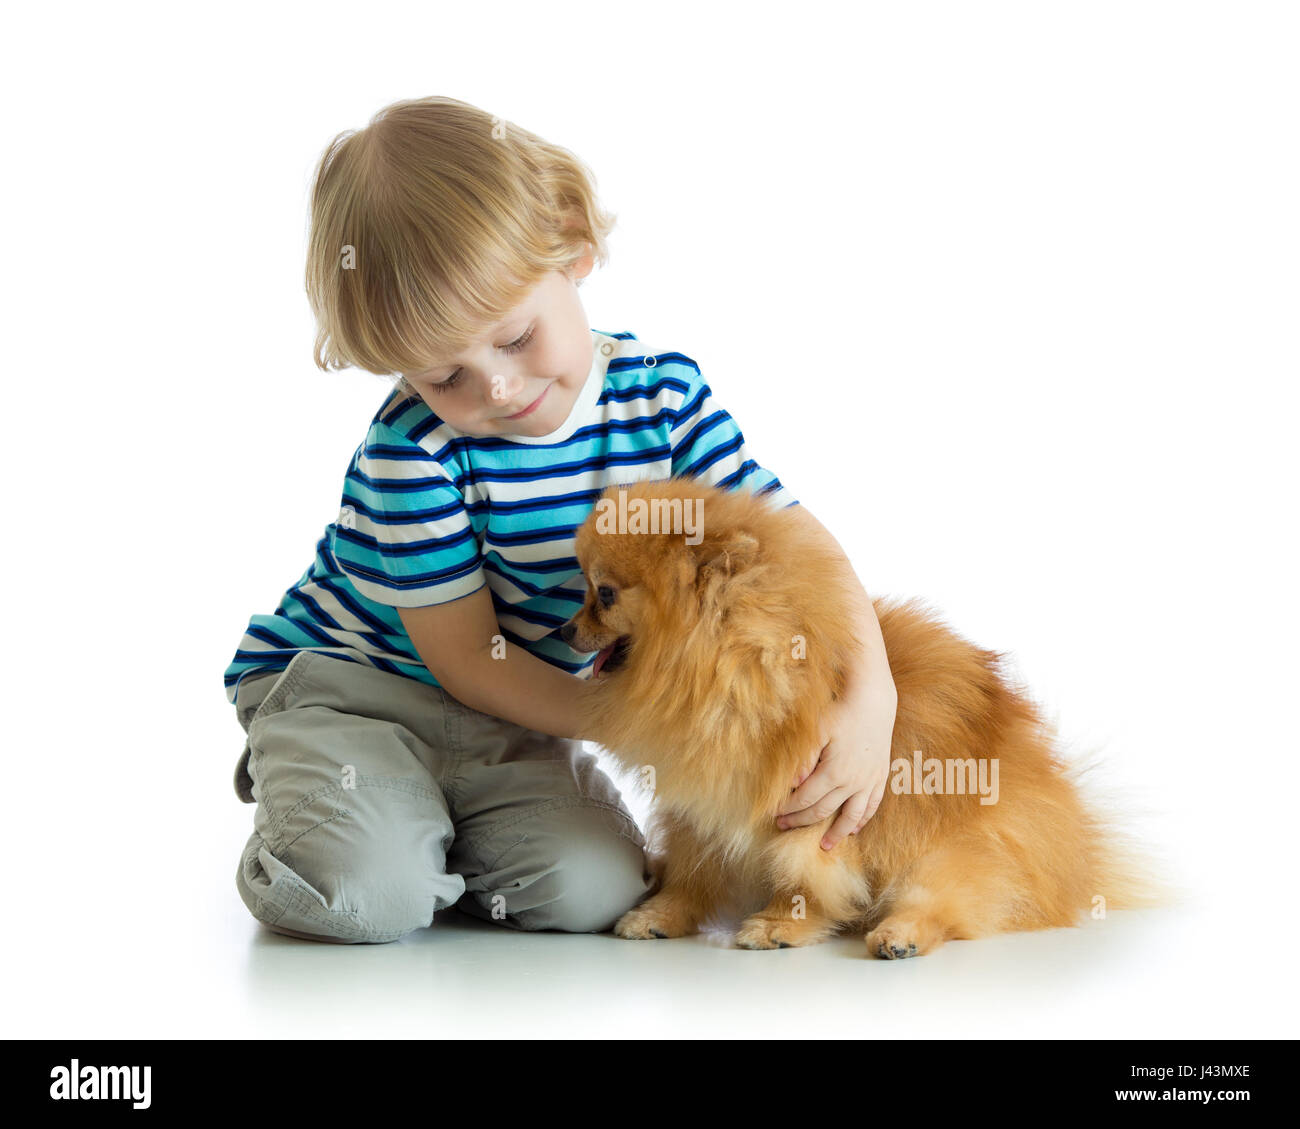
{"x":381,"y":800}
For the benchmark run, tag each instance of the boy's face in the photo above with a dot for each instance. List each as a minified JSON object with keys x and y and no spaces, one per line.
{"x":541,"y":349}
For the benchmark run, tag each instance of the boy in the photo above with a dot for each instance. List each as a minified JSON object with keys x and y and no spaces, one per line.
{"x":410,"y":704}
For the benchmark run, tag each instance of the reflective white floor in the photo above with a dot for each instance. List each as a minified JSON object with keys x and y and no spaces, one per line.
{"x":1153,"y":974}
{"x":132,"y":928}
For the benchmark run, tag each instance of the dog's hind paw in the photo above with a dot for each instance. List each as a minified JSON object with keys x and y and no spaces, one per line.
{"x":898,"y":939}
{"x":758,"y":934}
{"x":761,"y":932}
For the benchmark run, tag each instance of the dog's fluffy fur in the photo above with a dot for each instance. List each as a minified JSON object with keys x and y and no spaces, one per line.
{"x":729,"y":652}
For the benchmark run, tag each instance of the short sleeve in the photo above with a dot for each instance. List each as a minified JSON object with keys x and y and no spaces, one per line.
{"x":403,"y":536}
{"x":707,"y":443}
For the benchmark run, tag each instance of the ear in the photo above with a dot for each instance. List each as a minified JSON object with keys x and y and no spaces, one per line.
{"x":716,"y":559}
{"x":582,"y":265}
{"x":724,"y":559}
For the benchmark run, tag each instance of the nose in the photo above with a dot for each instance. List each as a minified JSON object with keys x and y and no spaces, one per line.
{"x":502,"y":388}
{"x":567,"y":631}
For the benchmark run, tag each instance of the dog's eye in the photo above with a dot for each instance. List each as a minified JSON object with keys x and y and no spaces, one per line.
{"x":606,"y":595}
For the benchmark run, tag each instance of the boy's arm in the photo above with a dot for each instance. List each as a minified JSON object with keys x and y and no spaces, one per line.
{"x":872,"y":678}
{"x":854,"y":765}
{"x":455,"y":641}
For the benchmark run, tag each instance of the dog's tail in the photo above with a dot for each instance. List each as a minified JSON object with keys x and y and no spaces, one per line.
{"x":1127,"y":875}
{"x":1126,"y":872}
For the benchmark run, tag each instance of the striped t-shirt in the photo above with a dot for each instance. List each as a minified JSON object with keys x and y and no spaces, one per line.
{"x":430,"y":514}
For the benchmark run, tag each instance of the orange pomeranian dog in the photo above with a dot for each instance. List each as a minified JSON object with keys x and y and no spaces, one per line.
{"x":724,"y":633}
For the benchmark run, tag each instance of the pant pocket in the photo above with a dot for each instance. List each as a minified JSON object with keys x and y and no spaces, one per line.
{"x":276,"y":698}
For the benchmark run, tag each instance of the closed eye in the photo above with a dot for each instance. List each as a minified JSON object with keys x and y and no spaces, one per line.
{"x":515,"y":346}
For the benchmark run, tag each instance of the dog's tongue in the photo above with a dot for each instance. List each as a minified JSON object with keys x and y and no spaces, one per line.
{"x":600,"y":659}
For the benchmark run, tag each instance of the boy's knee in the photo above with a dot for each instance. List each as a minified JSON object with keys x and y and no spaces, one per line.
{"x":340,"y":898}
{"x":598,"y":873}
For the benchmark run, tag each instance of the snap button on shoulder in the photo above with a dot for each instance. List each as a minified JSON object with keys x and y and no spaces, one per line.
{"x":606,"y":348}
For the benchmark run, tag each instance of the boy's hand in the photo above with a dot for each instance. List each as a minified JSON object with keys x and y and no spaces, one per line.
{"x":849,"y":767}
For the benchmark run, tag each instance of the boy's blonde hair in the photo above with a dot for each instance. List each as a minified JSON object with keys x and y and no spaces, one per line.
{"x":430,"y":225}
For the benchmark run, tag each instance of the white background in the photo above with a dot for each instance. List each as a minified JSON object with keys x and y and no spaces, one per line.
{"x":1005,"y":292}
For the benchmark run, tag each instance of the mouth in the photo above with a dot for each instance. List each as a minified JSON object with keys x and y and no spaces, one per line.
{"x":531,"y":407}
{"x":611,"y":658}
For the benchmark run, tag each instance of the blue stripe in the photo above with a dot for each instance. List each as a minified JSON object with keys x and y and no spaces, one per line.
{"x":355,"y":606}
{"x":401,"y":485}
{"x":415,"y":580}
{"x":319,"y":614}
{"x":697,"y":468}
{"x":259,"y":632}
{"x":400,"y":517}
{"x":403,"y":548}
{"x":384,"y":645}
{"x":384,"y":665}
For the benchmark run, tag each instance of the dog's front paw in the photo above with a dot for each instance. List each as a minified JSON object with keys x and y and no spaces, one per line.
{"x":647,"y":921}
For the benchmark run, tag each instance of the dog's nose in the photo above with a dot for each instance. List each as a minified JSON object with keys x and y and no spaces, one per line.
{"x":566,"y":632}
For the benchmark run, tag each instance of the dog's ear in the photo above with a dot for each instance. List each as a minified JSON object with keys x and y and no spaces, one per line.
{"x":712,"y":560}
{"x":724,"y":558}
